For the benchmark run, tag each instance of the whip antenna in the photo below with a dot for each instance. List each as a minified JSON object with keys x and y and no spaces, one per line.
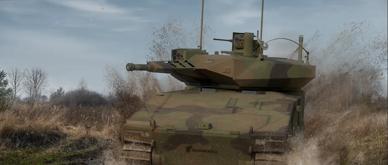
{"x":201,"y":32}
{"x":262,"y":20}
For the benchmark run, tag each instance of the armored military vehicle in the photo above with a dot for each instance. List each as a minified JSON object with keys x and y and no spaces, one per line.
{"x":239,"y":107}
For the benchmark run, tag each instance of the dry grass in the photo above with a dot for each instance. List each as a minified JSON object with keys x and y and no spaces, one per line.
{"x":55,"y":129}
{"x":27,"y":128}
{"x":102,"y":122}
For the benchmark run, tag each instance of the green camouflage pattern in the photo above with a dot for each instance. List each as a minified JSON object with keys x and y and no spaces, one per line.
{"x":239,"y":108}
{"x":215,"y":126}
{"x":236,"y":71}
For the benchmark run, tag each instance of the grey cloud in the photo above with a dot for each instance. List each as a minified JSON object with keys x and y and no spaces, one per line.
{"x":76,"y":39}
{"x":96,"y":6}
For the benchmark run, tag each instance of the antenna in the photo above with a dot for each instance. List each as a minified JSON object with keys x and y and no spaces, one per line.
{"x":262,"y":20}
{"x":201,"y":35}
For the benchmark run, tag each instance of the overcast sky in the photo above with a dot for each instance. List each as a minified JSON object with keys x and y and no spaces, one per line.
{"x":77,"y":39}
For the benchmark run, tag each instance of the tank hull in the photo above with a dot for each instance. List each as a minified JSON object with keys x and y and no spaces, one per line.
{"x":209,"y":126}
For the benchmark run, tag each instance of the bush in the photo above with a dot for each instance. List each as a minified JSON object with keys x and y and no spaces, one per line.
{"x":78,"y":98}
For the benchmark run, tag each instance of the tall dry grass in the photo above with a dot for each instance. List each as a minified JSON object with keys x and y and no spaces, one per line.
{"x":57,"y":121}
{"x":346,"y":109}
{"x":101,"y":122}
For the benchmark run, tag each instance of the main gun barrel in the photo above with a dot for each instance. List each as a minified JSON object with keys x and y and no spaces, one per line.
{"x":157,"y":66}
{"x":133,"y":67}
{"x":219,"y":39}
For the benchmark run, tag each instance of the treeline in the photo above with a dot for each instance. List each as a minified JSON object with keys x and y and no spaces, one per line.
{"x":31,"y":83}
{"x":126,"y":92}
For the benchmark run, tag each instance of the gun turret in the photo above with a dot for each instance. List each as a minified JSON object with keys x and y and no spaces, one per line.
{"x":243,"y":69}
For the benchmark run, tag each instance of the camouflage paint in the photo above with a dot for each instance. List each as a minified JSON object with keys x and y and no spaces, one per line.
{"x":239,"y":71}
{"x":215,"y":126}
{"x":240,"y":109}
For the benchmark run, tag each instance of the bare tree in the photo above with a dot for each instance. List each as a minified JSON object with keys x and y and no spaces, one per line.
{"x":138,"y":84}
{"x":82,"y":85}
{"x":34,"y":83}
{"x":124,"y":92}
{"x":15,"y":80}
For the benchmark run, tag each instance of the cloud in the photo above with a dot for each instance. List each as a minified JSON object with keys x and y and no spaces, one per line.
{"x":17,"y":7}
{"x":239,"y":17}
{"x":90,"y":6}
{"x":31,"y":47}
{"x":233,"y":13}
{"x":72,"y":39}
{"x":72,"y":15}
{"x":124,"y":29}
{"x":91,"y":13}
{"x":65,"y":58}
{"x":235,"y":2}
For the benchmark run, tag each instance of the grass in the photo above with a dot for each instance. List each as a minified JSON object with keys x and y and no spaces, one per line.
{"x":52,"y":135}
{"x":49,"y":156}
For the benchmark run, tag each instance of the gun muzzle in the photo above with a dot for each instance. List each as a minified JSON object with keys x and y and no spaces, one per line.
{"x":154,"y":66}
{"x":133,"y":67}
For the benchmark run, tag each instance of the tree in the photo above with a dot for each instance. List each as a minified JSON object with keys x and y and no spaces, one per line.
{"x":56,"y":96}
{"x":34,"y":84}
{"x":82,"y":85}
{"x":5,"y":92}
{"x":15,"y":77}
{"x":125,"y":93}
